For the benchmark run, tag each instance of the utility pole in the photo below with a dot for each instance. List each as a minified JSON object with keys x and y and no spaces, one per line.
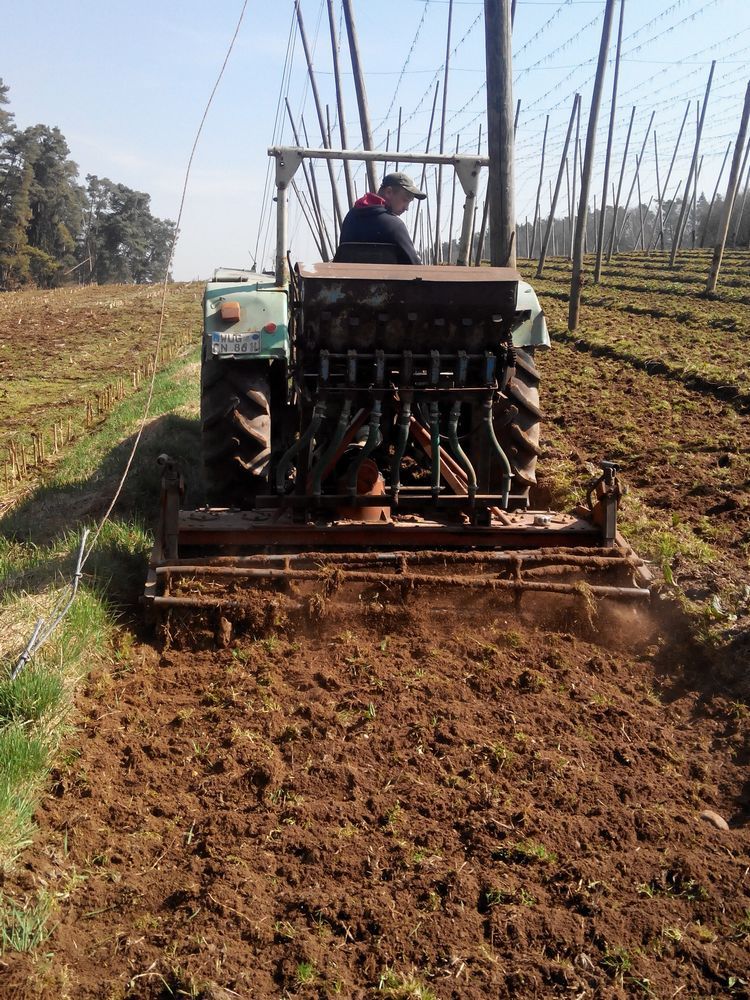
{"x":638,"y":161}
{"x":726,"y":210}
{"x":662,"y":221}
{"x":453,"y":206}
{"x":553,"y":200}
{"x":691,"y":172}
{"x":424,"y":165}
{"x":738,"y":223}
{"x":576,"y":158}
{"x":657,"y":217}
{"x":704,"y":231}
{"x":537,"y":209}
{"x":500,"y":132}
{"x":438,"y":242}
{"x":576,"y":282}
{"x":318,"y":109}
{"x":312,"y":188}
{"x":359,"y":87}
{"x":608,"y":155}
{"x":340,"y":102}
{"x":616,"y":202}
{"x":695,"y":203}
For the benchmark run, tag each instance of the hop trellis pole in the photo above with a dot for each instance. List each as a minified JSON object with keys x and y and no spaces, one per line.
{"x":608,"y":154}
{"x":577,"y":275}
{"x":691,"y":171}
{"x":726,"y":212}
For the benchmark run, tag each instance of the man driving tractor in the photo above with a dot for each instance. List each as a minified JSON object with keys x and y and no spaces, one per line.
{"x":374,"y":218}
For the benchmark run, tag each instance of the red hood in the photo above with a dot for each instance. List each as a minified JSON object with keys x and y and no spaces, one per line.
{"x":369,"y":201}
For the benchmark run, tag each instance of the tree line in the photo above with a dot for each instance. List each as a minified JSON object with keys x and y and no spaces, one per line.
{"x":54,"y":229}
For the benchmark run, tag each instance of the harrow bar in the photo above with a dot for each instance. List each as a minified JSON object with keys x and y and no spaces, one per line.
{"x":219,"y":558}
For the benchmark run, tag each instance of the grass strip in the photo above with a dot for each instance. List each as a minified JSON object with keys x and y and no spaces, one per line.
{"x":38,"y":542}
{"x":723,"y":391}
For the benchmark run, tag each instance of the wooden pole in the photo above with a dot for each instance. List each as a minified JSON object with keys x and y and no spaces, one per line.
{"x":726,"y":210}
{"x":553,"y":201}
{"x":318,"y":109}
{"x":340,"y":102}
{"x":691,"y":171}
{"x":666,"y":181}
{"x":424,"y":165}
{"x":539,"y":188}
{"x":672,"y":202}
{"x":453,"y":205}
{"x":704,"y":231}
{"x":576,"y":159}
{"x":498,"y":19}
{"x":640,"y":207}
{"x":527,"y":237}
{"x":482,"y":232}
{"x":312,"y":190}
{"x":359,"y":87}
{"x":570,"y":208}
{"x":315,"y":198}
{"x":476,"y":205}
{"x":398,"y":136}
{"x":695,"y":203}
{"x":616,"y":203}
{"x":657,"y":216}
{"x":608,"y":154}
{"x":596,"y":234}
{"x":733,"y":240}
{"x":588,"y":163}
{"x":638,"y":161}
{"x":330,"y":145}
{"x":438,"y":241}
{"x":585,"y":228}
{"x":311,"y":221}
{"x":552,"y":217}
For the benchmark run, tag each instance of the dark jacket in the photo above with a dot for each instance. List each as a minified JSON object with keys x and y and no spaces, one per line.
{"x":369,"y":221}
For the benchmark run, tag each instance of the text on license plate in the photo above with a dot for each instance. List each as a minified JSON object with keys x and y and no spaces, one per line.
{"x":235,"y":343}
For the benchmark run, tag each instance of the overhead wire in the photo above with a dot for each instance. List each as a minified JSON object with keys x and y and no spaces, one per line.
{"x":44,"y":629}
{"x":278,"y":118}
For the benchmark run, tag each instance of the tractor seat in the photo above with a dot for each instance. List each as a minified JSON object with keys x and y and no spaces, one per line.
{"x":367,"y":253}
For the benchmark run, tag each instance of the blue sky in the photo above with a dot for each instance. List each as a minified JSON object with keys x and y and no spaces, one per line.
{"x":127,"y":83}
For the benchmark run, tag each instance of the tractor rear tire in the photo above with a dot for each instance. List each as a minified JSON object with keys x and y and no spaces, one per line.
{"x":519,"y":438}
{"x":236,"y":430}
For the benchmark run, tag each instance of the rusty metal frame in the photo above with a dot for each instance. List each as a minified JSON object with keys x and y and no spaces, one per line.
{"x":521,"y":552}
{"x":289,"y":158}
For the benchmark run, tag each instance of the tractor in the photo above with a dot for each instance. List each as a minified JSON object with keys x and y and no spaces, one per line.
{"x":379,"y":423}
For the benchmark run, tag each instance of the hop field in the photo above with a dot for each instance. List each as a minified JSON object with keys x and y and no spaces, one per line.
{"x":403,"y":804}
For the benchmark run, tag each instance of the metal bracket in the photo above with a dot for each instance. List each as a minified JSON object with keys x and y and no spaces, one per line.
{"x":288,"y":162}
{"x":467,"y":171}
{"x":172,"y":492}
{"x":603,"y":499}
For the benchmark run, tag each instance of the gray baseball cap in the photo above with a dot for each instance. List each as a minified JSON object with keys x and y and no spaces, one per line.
{"x":399,"y":179}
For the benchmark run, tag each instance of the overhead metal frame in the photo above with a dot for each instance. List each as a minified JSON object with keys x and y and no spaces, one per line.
{"x":288,"y":161}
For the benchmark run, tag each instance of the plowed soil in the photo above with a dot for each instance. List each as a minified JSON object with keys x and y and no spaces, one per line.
{"x":409,"y":804}
{"x":431,"y":803}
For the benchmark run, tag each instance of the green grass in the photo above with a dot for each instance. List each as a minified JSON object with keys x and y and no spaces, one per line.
{"x":23,"y":928}
{"x":525,"y":852}
{"x":39,"y":540}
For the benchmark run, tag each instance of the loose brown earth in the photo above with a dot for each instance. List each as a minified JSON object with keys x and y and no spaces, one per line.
{"x":408,"y":799}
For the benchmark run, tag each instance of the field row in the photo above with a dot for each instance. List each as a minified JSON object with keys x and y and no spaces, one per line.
{"x":69,"y":355}
{"x":687,"y":338}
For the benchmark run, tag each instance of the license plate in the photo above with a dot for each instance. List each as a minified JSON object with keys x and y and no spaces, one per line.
{"x":235,"y":343}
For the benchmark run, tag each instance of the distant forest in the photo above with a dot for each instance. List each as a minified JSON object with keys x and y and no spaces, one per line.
{"x":54,"y":230}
